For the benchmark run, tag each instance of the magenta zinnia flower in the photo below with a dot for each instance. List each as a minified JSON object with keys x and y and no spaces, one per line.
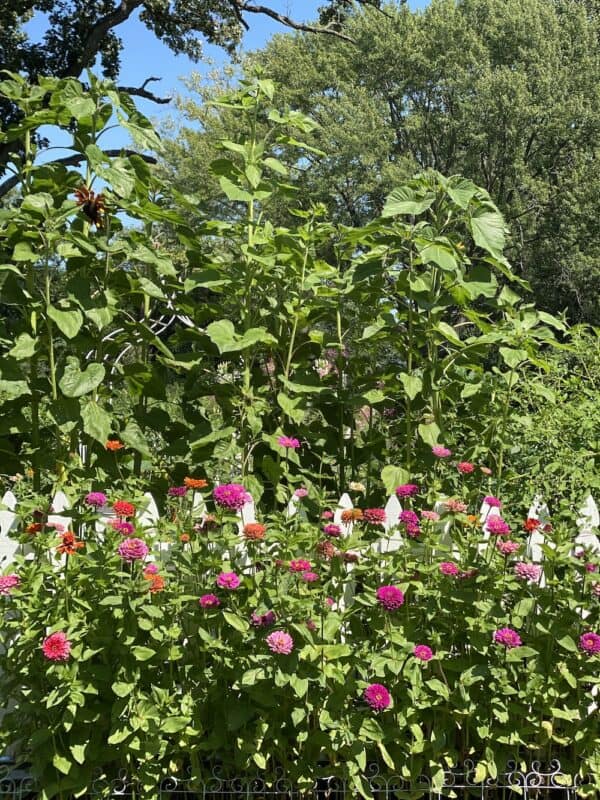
{"x":527,"y":572}
{"x":374,"y":516}
{"x":280,"y":642}
{"x":590,"y":643}
{"x":390,"y":597}
{"x":209,"y":601}
{"x":332,"y":530}
{"x":56,"y":647}
{"x":133,"y":549}
{"x":465,"y":467}
{"x":449,"y":568}
{"x":407,"y":490}
{"x":232,"y":496}
{"x":300,"y":565}
{"x":228,"y":580}
{"x":492,"y":501}
{"x":288,"y":442}
{"x":410,"y":521}
{"x":497,"y":526}
{"x":177,"y":491}
{"x":122,"y":527}
{"x":8,"y":583}
{"x":507,"y":637}
{"x":309,"y":576}
{"x":263,"y":620}
{"x":96,"y":499}
{"x":423,"y":652}
{"x":377,"y":696}
{"x":439,"y":451}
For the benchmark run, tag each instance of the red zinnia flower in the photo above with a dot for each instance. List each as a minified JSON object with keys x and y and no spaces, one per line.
{"x":56,"y":647}
{"x":124,"y":509}
{"x":114,"y":444}
{"x":70,"y":544}
{"x":531,"y":524}
{"x":254,"y":531}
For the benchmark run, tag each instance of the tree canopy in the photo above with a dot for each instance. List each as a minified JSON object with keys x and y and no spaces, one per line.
{"x":505,"y":92}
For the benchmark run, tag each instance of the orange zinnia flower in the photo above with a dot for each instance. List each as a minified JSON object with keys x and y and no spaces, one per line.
{"x":114,"y":444}
{"x":195,"y":483}
{"x":185,"y":537}
{"x":34,"y":527}
{"x":70,"y":544}
{"x":352,"y":515}
{"x":254,"y":531}
{"x":157,"y":582}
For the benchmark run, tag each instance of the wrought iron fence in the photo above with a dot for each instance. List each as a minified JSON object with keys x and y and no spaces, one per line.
{"x":537,"y":782}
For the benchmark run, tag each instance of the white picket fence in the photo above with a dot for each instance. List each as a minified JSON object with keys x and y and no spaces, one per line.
{"x":588,"y":519}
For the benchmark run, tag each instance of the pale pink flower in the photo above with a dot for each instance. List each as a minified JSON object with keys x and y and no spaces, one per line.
{"x":506,"y":547}
{"x":528,"y":572}
{"x":432,"y":516}
{"x":455,"y":506}
{"x":280,"y":642}
{"x":439,"y":451}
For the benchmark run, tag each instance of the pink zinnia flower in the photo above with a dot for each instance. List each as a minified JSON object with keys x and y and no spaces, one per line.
{"x":465,"y":467}
{"x":390,"y":597}
{"x":332,"y":530}
{"x":432,"y":516}
{"x":96,"y":499}
{"x":590,"y":643}
{"x":300,"y":565}
{"x":8,"y":583}
{"x":56,"y":647}
{"x":232,"y":496}
{"x":506,"y":547}
{"x":497,"y":526}
{"x":309,"y":577}
{"x":280,"y":642}
{"x":492,"y":501}
{"x":589,"y":567}
{"x":263,"y":620}
{"x":527,"y":572}
{"x":596,"y":589}
{"x":228,"y":580}
{"x":177,"y":491}
{"x":377,"y":696}
{"x":151,"y":569}
{"x":327,"y":515}
{"x":455,"y":506}
{"x":410,"y":521}
{"x":407,"y":490}
{"x":122,"y":527}
{"x":301,"y":492}
{"x":439,"y":451}
{"x":374,"y":516}
{"x":209,"y":601}
{"x":507,"y":637}
{"x":288,"y":442}
{"x":330,"y":601}
{"x":423,"y":652}
{"x":133,"y":549}
{"x":449,"y":568}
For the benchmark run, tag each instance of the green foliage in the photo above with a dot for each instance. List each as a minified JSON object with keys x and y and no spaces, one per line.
{"x":504,"y":93}
{"x":150,"y":670}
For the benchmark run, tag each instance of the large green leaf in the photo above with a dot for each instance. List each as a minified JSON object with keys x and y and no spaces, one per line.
{"x":68,"y":322}
{"x":488,"y":229}
{"x":223,"y":334}
{"x":96,"y":421}
{"x":75,"y":383}
{"x":405,"y":200}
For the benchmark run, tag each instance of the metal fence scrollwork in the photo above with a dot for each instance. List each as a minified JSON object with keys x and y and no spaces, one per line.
{"x":536,"y":781}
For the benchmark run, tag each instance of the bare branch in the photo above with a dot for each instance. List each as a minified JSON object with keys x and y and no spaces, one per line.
{"x":74,"y":160}
{"x":291,"y":23}
{"x":141,"y":91}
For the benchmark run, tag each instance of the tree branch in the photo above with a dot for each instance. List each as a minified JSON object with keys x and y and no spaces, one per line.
{"x":72,"y":161}
{"x":141,"y":91}
{"x":289,"y":22}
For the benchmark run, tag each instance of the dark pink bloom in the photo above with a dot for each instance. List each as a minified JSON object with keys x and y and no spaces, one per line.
{"x":465,"y":467}
{"x":177,"y":491}
{"x":288,"y":442}
{"x":377,"y":696}
{"x":407,"y":490}
{"x":96,"y":499}
{"x":590,"y":643}
{"x":133,"y":549}
{"x":280,"y":642}
{"x":492,"y":501}
{"x":8,"y":583}
{"x":410,"y":521}
{"x":311,"y":625}
{"x":232,"y":496}
{"x":122,"y":527}
{"x":439,"y":451}
{"x":332,"y":530}
{"x":589,"y":567}
{"x":209,"y":601}
{"x":151,"y":569}
{"x":228,"y":580}
{"x":374,"y":516}
{"x":497,"y":526}
{"x":506,"y":547}
{"x":449,"y":568}
{"x":423,"y":652}
{"x":507,"y":637}
{"x":390,"y":597}
{"x":309,"y":577}
{"x":330,"y":601}
{"x":300,"y":565}
{"x":56,"y":647}
{"x":263,"y":620}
